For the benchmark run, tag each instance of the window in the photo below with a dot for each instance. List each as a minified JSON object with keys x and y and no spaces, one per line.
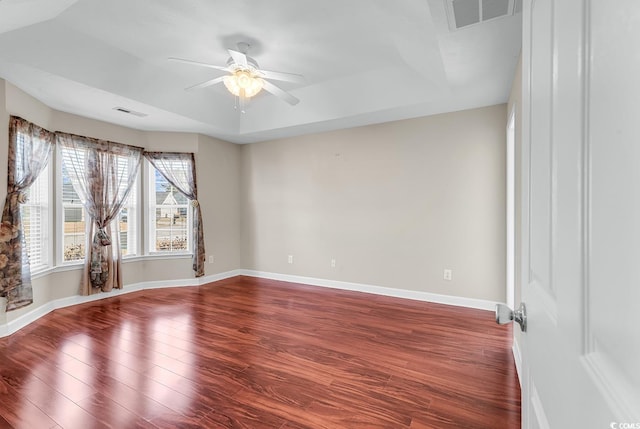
{"x":166,"y":213}
{"x":75,"y":216}
{"x":35,"y":221}
{"x":127,"y":222}
{"x":169,"y":216}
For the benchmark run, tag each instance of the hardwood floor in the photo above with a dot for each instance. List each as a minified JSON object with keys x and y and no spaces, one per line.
{"x":253,"y":353}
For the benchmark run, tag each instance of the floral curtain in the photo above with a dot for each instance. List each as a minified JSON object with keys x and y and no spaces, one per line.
{"x":102,"y":174}
{"x":180,"y":171}
{"x":29,"y":151}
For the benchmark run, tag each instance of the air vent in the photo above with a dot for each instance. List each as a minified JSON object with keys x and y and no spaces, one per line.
{"x":129,"y":111}
{"x":463,"y":13}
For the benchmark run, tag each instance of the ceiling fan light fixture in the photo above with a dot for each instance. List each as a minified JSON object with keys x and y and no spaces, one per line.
{"x":246,"y":79}
{"x":243,"y":80}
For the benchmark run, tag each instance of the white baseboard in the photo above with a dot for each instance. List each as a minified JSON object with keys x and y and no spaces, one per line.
{"x":377,"y":290}
{"x":517,"y":358}
{"x":220,"y":276}
{"x":20,"y":322}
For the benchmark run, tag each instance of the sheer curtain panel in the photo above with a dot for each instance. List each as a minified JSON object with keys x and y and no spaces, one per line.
{"x":102,"y":174}
{"x":180,"y":170}
{"x":29,"y":151}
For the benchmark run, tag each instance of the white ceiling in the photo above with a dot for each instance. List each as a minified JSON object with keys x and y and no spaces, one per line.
{"x":365,"y":61}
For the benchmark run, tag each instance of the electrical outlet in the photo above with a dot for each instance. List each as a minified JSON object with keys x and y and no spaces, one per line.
{"x":333,"y":263}
{"x":211,"y":259}
{"x":290,"y":259}
{"x":448,"y":274}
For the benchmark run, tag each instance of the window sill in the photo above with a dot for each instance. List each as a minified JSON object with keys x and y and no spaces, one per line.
{"x":78,"y":265}
{"x":157,"y":256}
{"x":71,"y":266}
{"x":42,"y":272}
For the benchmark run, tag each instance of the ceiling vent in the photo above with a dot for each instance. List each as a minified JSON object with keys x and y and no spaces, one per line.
{"x":128,"y":111}
{"x":463,"y":13}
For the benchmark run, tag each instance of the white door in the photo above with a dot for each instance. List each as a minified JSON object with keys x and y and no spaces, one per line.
{"x":581,"y":214}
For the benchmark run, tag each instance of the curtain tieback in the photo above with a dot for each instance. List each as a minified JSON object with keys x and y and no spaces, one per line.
{"x":102,"y":238}
{"x":194,"y":203}
{"x":19,"y":196}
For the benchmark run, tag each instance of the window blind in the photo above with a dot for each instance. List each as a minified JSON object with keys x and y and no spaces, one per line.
{"x":35,"y":217}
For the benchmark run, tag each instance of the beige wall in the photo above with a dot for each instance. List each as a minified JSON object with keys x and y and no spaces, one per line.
{"x":394,"y":204}
{"x":217,"y":166}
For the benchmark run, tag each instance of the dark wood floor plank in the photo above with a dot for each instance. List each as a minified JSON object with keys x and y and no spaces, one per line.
{"x":256,"y":353}
{"x":18,"y":412}
{"x":4,"y":424}
{"x":112,"y":414}
{"x":58,"y":407}
{"x":240,"y":415}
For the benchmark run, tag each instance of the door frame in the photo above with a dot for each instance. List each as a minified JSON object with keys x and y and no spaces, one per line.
{"x":511,"y":209}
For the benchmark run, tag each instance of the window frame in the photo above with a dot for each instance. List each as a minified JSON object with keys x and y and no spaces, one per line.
{"x":60,"y":262}
{"x":59,"y":224}
{"x":150,"y":216}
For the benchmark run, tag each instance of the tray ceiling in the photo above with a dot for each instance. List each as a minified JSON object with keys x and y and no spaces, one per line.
{"x":365,"y":61}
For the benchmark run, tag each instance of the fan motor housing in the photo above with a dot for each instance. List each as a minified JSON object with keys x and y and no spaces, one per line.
{"x":253,"y":64}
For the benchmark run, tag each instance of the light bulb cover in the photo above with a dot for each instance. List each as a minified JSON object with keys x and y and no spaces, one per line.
{"x":243,"y":80}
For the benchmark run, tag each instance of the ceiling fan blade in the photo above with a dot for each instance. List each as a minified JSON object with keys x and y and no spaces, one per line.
{"x":196,"y":63}
{"x":206,"y":83}
{"x":269,"y":87}
{"x":239,"y":58}
{"x":287,"y":77}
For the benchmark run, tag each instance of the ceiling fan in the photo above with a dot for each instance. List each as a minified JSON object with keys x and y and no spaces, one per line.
{"x":246,"y":78}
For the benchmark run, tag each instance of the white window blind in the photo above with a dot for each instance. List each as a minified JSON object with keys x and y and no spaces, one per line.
{"x":127,"y":222}
{"x":35,"y":222}
{"x":169,"y":216}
